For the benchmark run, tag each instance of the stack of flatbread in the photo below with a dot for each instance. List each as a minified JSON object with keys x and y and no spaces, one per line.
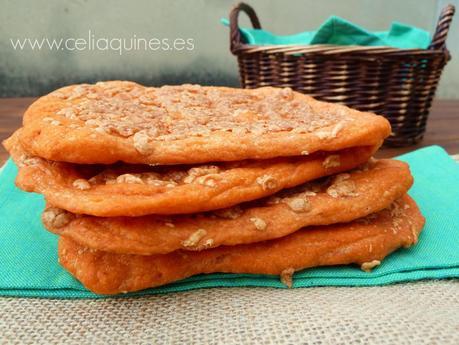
{"x":146,"y":186}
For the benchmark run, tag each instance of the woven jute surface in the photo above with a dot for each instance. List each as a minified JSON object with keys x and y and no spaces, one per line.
{"x":415,"y":313}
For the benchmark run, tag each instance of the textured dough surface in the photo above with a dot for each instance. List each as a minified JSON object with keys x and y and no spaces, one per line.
{"x":340,"y":199}
{"x":136,"y":190}
{"x":365,"y":242}
{"x":124,"y":121}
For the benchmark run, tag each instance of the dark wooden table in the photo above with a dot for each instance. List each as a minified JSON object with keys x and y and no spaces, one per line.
{"x":442,"y":129}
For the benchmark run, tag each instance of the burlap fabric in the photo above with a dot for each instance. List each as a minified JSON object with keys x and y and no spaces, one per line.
{"x":415,"y":313}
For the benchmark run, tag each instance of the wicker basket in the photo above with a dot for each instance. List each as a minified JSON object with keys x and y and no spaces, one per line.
{"x":398,"y":83}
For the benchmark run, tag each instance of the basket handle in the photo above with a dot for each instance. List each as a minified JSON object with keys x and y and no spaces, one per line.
{"x":235,"y":34}
{"x":443,"y":24}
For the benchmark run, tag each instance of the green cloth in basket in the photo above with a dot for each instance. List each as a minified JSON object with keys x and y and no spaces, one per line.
{"x":338,"y":31}
{"x":28,"y":253}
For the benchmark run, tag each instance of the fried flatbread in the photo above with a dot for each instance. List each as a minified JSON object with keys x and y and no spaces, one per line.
{"x":364,"y":242}
{"x":124,"y":121}
{"x":136,"y":190}
{"x":340,"y":199}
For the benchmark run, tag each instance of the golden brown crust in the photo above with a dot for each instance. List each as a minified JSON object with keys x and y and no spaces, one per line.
{"x":126,"y":190}
{"x":371,"y":190}
{"x":363,"y":241}
{"x":124,"y":121}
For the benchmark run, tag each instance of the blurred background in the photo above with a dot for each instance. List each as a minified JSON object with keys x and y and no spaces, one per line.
{"x":204,"y":56}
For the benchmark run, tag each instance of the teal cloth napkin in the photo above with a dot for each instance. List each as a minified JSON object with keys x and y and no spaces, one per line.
{"x":29,"y":268}
{"x":339,"y":31}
